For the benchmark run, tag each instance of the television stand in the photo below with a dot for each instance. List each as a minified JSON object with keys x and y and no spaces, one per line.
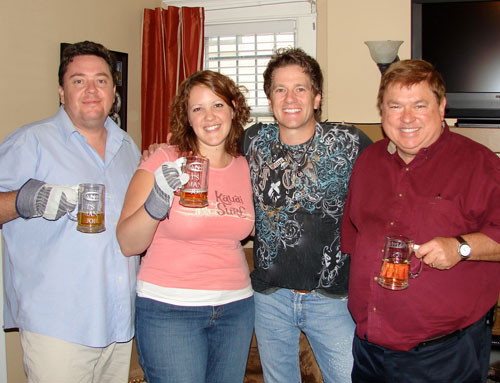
{"x":478,"y":123}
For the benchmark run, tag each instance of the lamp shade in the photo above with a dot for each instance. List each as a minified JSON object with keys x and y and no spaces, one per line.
{"x":384,"y":51}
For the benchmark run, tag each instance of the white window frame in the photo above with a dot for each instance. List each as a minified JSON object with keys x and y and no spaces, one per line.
{"x":230,"y":12}
{"x":265,"y":29}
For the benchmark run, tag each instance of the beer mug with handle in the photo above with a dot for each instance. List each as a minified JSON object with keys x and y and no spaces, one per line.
{"x":194,"y":193}
{"x":396,"y":263}
{"x":90,"y":216}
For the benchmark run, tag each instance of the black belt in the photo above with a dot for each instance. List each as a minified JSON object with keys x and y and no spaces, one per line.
{"x":441,"y":339}
{"x":444,"y":338}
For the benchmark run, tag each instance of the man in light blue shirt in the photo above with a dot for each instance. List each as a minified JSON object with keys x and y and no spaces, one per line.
{"x":71,"y":294}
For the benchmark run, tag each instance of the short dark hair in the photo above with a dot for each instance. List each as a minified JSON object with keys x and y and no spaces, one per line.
{"x":296,"y":56}
{"x":86,"y":48}
{"x":183,"y":134}
{"x":408,"y":73}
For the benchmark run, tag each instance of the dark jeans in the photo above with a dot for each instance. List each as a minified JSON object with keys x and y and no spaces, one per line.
{"x":460,"y":359}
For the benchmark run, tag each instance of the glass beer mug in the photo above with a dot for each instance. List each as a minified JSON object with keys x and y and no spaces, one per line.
{"x":396,"y":263}
{"x":195,"y":192}
{"x":90,"y":216}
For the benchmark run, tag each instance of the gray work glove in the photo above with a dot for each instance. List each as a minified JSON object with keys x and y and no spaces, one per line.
{"x":168,"y":178}
{"x":39,"y":199}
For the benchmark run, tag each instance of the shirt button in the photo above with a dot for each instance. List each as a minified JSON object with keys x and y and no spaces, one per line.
{"x":375,"y":279}
{"x":407,"y":169}
{"x":391,"y":223}
{"x":400,"y":195}
{"x":120,"y":278}
{"x":374,"y":309}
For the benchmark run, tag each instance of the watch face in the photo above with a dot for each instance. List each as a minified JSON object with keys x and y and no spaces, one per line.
{"x":464,"y":250}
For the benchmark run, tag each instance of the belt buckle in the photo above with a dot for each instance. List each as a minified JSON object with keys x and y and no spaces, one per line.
{"x":301,"y":292}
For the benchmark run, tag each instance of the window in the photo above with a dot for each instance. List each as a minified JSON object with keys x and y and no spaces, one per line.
{"x":241,"y":36}
{"x":242,"y":54}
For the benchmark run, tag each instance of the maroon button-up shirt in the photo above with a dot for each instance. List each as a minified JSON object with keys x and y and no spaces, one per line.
{"x":450,"y":188}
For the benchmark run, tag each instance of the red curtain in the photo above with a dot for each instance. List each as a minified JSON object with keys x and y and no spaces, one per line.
{"x":172,"y":49}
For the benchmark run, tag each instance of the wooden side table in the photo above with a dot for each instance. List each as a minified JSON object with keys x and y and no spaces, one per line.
{"x":495,"y":339}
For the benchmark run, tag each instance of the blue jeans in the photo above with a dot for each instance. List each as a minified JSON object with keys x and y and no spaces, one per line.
{"x":279,"y":319}
{"x":182,"y":344}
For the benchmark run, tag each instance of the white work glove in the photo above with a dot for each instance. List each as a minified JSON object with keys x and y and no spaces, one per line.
{"x":168,"y":178}
{"x":39,"y":199}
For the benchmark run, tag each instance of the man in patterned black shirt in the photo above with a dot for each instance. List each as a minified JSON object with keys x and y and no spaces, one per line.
{"x":300,"y":171}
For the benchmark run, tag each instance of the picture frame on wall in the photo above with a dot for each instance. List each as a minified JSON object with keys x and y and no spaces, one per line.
{"x":118,"y":112}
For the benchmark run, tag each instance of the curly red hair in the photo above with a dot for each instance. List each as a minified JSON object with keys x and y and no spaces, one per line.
{"x":183,"y":134}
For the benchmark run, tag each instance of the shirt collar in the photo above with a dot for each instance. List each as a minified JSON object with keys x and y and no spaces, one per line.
{"x":68,"y":128}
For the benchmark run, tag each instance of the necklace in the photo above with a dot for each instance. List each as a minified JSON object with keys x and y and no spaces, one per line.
{"x":298,"y":160}
{"x":282,"y":157}
{"x":284,"y":195}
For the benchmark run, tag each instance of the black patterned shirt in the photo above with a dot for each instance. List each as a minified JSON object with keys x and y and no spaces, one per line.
{"x":299,"y":195}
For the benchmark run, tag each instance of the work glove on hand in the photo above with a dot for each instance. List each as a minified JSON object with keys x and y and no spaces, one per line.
{"x":39,"y":199}
{"x":168,"y":178}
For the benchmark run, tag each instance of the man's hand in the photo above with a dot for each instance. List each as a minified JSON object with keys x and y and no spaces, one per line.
{"x":150,"y":150}
{"x":439,"y":253}
{"x":38,"y":199}
{"x":168,"y":178}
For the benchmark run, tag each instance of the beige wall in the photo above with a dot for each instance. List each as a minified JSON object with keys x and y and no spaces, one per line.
{"x":352,"y":77}
{"x":30,"y":34}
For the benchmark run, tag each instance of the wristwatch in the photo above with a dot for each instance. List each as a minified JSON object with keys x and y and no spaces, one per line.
{"x":464,"y":248}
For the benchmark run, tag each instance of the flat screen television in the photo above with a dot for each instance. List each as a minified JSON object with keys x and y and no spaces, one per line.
{"x":462,"y":39}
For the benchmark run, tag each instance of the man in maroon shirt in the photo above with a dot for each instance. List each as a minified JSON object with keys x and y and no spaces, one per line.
{"x":443,"y":191}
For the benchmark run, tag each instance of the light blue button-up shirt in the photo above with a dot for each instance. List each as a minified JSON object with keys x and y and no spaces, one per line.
{"x":58,"y":281}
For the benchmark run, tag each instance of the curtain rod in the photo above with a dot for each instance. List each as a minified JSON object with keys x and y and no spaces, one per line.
{"x":213,"y":5}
